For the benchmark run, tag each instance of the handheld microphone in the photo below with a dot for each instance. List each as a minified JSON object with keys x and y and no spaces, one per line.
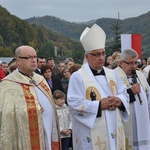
{"x":135,"y":81}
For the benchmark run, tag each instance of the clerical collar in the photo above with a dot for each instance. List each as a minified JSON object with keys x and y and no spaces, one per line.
{"x":31,"y":81}
{"x":97,"y":72}
{"x":26,"y":74}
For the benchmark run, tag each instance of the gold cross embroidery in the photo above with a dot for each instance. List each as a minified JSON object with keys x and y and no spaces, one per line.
{"x":128,"y":147}
{"x":120,"y":138}
{"x":99,"y":143}
{"x":77,"y":139}
{"x":81,"y":111}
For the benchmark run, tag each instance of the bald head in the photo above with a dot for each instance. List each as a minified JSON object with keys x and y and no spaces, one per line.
{"x":26,"y":59}
{"x":23,"y":49}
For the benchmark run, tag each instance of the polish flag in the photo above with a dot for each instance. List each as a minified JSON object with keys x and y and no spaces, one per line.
{"x":133,"y":41}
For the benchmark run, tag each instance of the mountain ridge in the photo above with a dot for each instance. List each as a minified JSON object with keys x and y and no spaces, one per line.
{"x":63,"y":34}
{"x":15,"y":32}
{"x":73,"y":30}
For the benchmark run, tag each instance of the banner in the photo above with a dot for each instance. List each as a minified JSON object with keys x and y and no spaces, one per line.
{"x":133,"y":41}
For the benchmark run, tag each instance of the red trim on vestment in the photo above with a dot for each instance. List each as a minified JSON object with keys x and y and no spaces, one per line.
{"x":32,"y":117}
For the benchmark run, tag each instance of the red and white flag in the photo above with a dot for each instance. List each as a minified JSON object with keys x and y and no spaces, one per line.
{"x":133,"y":41}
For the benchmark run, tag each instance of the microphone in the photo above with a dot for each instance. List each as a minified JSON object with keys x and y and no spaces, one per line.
{"x":135,"y":81}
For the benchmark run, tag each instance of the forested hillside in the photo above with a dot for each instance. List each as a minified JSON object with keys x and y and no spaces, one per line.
{"x":48,"y":33}
{"x":136,"y":25}
{"x":15,"y":32}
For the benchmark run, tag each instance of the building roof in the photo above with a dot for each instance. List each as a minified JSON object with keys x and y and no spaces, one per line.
{"x":6,"y":59}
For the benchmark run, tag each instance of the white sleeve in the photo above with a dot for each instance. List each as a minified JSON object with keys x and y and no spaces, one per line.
{"x":83,"y":110}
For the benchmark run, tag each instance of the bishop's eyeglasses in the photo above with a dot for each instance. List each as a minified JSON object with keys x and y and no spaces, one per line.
{"x":98,"y":54}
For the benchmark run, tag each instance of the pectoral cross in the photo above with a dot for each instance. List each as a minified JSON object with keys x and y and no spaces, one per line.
{"x":32,"y":81}
{"x":128,"y":147}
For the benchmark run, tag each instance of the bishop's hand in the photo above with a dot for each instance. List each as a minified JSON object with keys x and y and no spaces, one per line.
{"x":110,"y":103}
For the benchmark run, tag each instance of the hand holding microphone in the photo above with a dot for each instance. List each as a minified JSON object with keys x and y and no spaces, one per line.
{"x":137,"y":86}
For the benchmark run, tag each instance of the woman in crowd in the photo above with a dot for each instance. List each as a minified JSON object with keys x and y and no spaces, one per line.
{"x":53,"y":83}
{"x":65,"y":79}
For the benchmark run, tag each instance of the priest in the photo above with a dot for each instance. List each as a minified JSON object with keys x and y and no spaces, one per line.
{"x":97,"y":117}
{"x":28,"y":118}
{"x":137,"y":129}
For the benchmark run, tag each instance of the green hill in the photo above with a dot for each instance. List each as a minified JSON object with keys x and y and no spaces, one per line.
{"x":15,"y":32}
{"x":136,"y":25}
{"x":48,"y":32}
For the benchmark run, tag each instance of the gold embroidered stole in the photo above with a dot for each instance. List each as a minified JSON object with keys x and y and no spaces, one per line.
{"x":127,"y":125}
{"x":142,"y":80}
{"x":100,"y":133}
{"x":32,"y":117}
{"x":119,"y":125}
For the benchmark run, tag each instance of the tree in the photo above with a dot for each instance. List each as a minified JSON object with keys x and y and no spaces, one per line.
{"x":5,"y":52}
{"x":1,"y":41}
{"x":116,"y":28}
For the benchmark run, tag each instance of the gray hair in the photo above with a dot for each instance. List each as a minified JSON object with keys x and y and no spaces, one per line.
{"x":128,"y":53}
{"x":67,"y":60}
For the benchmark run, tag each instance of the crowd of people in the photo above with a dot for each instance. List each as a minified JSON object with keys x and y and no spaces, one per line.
{"x":103,"y":103}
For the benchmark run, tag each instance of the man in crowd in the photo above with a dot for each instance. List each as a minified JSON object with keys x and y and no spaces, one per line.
{"x":137,"y":129}
{"x":40,"y":62}
{"x":60,"y":67}
{"x":27,"y":114}
{"x":51,"y":63}
{"x":97,"y":123}
{"x":69,"y":62}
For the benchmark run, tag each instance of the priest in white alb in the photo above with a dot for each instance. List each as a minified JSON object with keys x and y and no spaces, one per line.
{"x":137,"y":129}
{"x":97,"y":98}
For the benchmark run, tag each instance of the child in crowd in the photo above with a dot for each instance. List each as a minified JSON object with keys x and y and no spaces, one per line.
{"x":64,"y":116}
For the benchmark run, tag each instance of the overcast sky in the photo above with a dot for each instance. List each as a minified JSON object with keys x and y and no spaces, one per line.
{"x":77,"y":10}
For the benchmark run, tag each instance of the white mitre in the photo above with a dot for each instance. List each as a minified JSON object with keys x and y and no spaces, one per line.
{"x":93,"y":38}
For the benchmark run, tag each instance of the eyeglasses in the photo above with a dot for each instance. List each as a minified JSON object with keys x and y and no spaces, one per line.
{"x":131,"y":63}
{"x":28,"y":57}
{"x":98,"y":54}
